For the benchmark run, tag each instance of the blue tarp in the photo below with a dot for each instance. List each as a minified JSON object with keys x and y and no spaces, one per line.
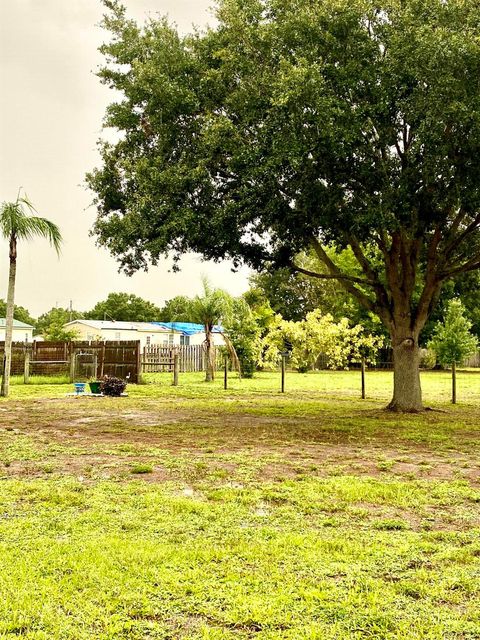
{"x":187,"y":328}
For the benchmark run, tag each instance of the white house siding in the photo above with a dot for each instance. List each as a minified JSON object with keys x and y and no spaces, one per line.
{"x":164,"y":339}
{"x":21,"y":334}
{"x":119,"y":332}
{"x":199,"y":338}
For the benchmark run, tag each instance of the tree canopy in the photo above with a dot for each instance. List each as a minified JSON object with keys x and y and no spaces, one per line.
{"x":50,"y":324}
{"x":292,"y":125}
{"x":176,"y":309}
{"x":19,"y":313}
{"x":293,"y":295}
{"x":126,"y":307}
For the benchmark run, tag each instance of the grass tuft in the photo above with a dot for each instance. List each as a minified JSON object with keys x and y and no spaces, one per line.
{"x":141,"y":468}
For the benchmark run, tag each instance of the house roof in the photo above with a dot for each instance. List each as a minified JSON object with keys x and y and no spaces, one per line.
{"x":187,"y":328}
{"x":16,"y":324}
{"x":117,"y":325}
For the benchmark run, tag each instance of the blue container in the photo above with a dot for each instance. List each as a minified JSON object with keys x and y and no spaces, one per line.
{"x":79,"y":387}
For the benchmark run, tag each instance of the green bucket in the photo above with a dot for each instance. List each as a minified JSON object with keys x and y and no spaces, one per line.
{"x":95,"y":387}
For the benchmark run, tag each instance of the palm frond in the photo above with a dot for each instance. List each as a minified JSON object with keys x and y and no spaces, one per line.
{"x":16,"y":222}
{"x":232,"y":353}
{"x":32,"y":226}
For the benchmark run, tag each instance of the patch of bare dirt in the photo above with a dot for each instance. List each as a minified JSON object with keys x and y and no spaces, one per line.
{"x":302,"y":444}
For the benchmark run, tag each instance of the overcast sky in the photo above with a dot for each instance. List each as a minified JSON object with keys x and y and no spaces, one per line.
{"x":51,"y":109}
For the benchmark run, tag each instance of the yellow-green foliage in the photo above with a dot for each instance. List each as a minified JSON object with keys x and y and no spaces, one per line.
{"x":319,"y":334}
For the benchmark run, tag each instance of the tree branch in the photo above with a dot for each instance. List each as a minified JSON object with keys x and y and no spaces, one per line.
{"x":369,"y":271}
{"x":348,"y":284}
{"x":473,"y":226}
{"x":471,"y":265}
{"x":329,"y":276}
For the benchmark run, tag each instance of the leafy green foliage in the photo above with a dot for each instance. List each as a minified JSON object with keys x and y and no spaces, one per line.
{"x":452,"y":340}
{"x":318,"y":335}
{"x":50,"y":325}
{"x":263,"y":109}
{"x":19,"y":313}
{"x":244,"y":332}
{"x":176,"y":310}
{"x":293,"y":294}
{"x":212,"y":307}
{"x":125,"y":307}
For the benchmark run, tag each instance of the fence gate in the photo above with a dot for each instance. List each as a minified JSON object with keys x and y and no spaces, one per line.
{"x":114,"y":358}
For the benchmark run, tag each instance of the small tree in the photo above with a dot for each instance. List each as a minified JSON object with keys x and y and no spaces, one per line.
{"x":50,"y":325}
{"x":244,"y":332}
{"x":16,"y":224}
{"x":452,"y":341}
{"x":210,"y":309}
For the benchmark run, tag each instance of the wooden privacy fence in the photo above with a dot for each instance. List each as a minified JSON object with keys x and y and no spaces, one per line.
{"x":76,"y":359}
{"x":157,"y":359}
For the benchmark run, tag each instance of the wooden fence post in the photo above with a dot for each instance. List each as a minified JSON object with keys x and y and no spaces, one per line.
{"x":225,"y":374}
{"x":454,"y":382}
{"x":363,"y":378}
{"x":102,"y":362}
{"x":176,"y":368}
{"x":139,"y":364}
{"x":72,"y":365}
{"x":284,"y":364}
{"x":26,"y":365}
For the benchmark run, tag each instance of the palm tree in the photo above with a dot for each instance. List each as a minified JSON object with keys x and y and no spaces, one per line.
{"x":209,"y":310}
{"x":17,"y":223}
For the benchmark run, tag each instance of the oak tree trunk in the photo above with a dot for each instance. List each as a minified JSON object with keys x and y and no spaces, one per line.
{"x":407,"y":392}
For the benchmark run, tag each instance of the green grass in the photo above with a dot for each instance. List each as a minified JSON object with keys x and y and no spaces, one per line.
{"x":196,"y":513}
{"x":35,"y":380}
{"x":141,"y":468}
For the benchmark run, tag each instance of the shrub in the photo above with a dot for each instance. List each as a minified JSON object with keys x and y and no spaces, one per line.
{"x":428,"y":358}
{"x":319,"y":334}
{"x":112,"y":386}
{"x":452,"y":340}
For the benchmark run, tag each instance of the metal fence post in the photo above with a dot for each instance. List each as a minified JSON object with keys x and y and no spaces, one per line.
{"x":176,"y":368}
{"x":284,"y":364}
{"x":454,"y":382}
{"x":363,"y":378}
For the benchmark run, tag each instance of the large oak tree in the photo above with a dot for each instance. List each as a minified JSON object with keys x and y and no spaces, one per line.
{"x":294,"y":124}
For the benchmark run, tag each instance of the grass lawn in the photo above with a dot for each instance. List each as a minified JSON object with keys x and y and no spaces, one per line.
{"x":194,"y":512}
